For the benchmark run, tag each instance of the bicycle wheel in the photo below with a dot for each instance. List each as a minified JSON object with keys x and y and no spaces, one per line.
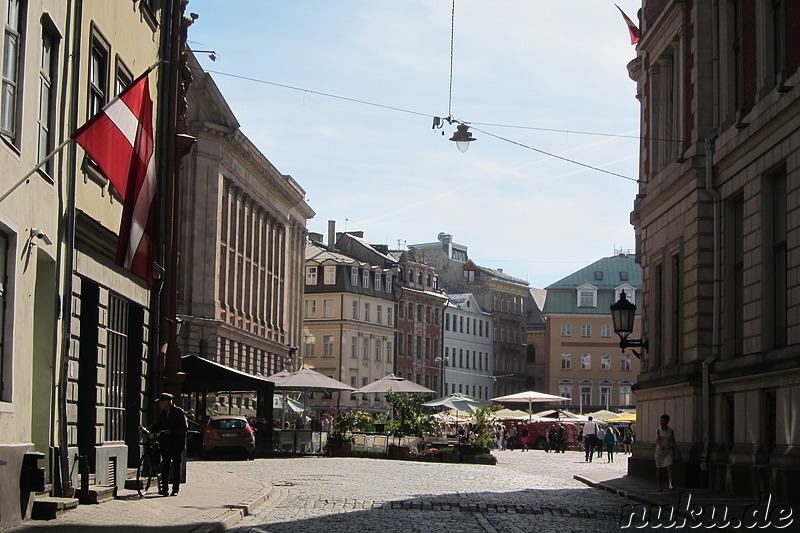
{"x":146,"y":475}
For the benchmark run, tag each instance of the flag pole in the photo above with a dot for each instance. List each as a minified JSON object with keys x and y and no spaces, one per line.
{"x":24,"y":178}
{"x":61,"y":146}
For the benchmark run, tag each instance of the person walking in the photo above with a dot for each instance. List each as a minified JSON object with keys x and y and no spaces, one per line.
{"x":601,"y":433}
{"x":627,"y":441}
{"x":589,"y":438}
{"x":512,"y":437}
{"x":665,"y":440}
{"x":610,"y":440}
{"x":560,"y":435}
{"x":523,"y":438}
{"x":171,"y":426}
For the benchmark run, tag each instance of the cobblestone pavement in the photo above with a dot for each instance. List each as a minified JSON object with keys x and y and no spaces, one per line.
{"x":526,"y":491}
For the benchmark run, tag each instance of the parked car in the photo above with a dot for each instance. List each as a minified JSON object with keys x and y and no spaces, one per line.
{"x":228,"y":434}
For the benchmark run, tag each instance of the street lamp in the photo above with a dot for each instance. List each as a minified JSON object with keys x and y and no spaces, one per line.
{"x":462,"y":137}
{"x":445,"y":361}
{"x":623,"y":314}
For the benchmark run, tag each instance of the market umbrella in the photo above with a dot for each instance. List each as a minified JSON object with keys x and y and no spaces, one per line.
{"x":280,"y":376}
{"x":530,"y":397}
{"x":457,"y":401}
{"x":307,"y":379}
{"x":511,"y":413}
{"x":602,"y":414}
{"x":393,"y":383}
{"x":627,"y":417}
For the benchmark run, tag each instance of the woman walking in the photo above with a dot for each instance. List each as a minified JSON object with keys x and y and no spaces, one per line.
{"x":610,"y":440}
{"x":665,"y":439}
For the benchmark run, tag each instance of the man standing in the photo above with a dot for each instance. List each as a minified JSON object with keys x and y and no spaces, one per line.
{"x":560,"y":447}
{"x":589,"y":438}
{"x":172,"y":425}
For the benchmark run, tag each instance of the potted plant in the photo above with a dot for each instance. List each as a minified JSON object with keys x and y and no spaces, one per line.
{"x":340,"y":440}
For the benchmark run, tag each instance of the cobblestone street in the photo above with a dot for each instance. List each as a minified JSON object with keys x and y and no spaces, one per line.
{"x":530,"y":491}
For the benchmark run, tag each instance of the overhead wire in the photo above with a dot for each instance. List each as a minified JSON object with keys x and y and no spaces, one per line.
{"x":428,"y":115}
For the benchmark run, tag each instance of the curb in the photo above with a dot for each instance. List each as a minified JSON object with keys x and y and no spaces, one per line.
{"x":236,"y":512}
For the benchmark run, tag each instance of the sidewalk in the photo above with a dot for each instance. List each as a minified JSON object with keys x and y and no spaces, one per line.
{"x":725,"y":511}
{"x":211,"y":501}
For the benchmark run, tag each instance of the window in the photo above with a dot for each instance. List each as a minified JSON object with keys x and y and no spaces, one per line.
{"x":354,"y":347}
{"x":623,"y":276}
{"x":388,"y":283}
{"x":378,"y":283}
{"x":311,"y":309}
{"x":12,"y":45}
{"x":428,"y":315}
{"x":5,"y":362}
{"x":329,"y":275}
{"x":565,"y":390}
{"x":389,"y":317}
{"x":311,"y":275}
{"x":327,"y":346}
{"x":354,"y":276}
{"x":378,"y":349}
{"x":566,"y":330}
{"x":365,"y":348}
{"x":388,"y":352}
{"x":411,"y":311}
{"x":586,"y":330}
{"x":447,"y":321}
{"x":45,"y":114}
{"x":605,"y":330}
{"x":355,"y":309}
{"x":625,"y":362}
{"x":327,"y":308}
{"x":410,"y":344}
{"x":461,"y":324}
{"x":311,"y":345}
{"x":586,"y":395}
{"x":605,"y":396}
{"x":586,"y":361}
{"x":117,"y":363}
{"x":366,"y":311}
{"x":419,"y":346}
{"x":598,"y":275}
{"x":379,"y":314}
{"x":605,"y":362}
{"x":625,"y":396}
{"x":587,"y":298}
{"x":427,"y":347}
{"x":365,"y":279}
{"x":566,"y":361}
{"x":98,"y":76}
{"x":354,"y":381}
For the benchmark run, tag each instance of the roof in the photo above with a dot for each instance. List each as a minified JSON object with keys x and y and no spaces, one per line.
{"x":609,"y":278}
{"x":605,"y":276}
{"x":499,"y":274}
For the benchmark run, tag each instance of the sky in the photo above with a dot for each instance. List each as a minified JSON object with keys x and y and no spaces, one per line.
{"x":341,"y":95}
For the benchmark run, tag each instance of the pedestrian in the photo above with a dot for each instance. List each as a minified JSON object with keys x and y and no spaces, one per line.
{"x":589,"y":438}
{"x":601,"y":433}
{"x":523,"y":438}
{"x":171,"y":427}
{"x":512,"y":437}
{"x":665,"y":440}
{"x":560,"y":435}
{"x":627,"y":441}
{"x":610,"y":441}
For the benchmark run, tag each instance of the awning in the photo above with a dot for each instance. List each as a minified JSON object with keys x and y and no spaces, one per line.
{"x":204,"y":375}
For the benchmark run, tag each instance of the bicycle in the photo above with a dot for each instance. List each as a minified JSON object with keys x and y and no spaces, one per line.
{"x":149,"y":470}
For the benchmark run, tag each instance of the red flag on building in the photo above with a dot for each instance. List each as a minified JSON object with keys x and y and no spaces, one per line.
{"x":119,"y":139}
{"x":632,"y":29}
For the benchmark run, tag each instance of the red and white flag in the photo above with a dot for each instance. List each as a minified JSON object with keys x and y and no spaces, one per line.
{"x":632,"y":29}
{"x":119,"y":139}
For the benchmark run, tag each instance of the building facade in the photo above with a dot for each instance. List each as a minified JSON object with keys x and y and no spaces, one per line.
{"x":349,"y":327}
{"x":468,"y":358}
{"x":536,"y":354}
{"x":716,"y":227}
{"x":585,"y":362}
{"x":504,"y":296}
{"x":241,"y":305}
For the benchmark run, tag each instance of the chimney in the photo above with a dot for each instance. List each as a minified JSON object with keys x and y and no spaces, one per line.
{"x":332,"y":235}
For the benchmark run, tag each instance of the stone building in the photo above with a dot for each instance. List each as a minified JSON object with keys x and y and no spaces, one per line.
{"x":504,"y":296}
{"x":585,"y":362}
{"x":349,"y":327}
{"x":468,"y":358}
{"x":716,"y":225}
{"x":242,"y":246}
{"x":536,"y":354}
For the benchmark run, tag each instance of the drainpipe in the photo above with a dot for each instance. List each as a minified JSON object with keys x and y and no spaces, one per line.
{"x":715,"y":339}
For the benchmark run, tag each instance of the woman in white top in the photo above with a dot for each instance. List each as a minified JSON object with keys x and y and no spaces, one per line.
{"x":665,"y":438}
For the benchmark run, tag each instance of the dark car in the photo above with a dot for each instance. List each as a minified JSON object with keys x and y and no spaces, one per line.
{"x":228,"y":434}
